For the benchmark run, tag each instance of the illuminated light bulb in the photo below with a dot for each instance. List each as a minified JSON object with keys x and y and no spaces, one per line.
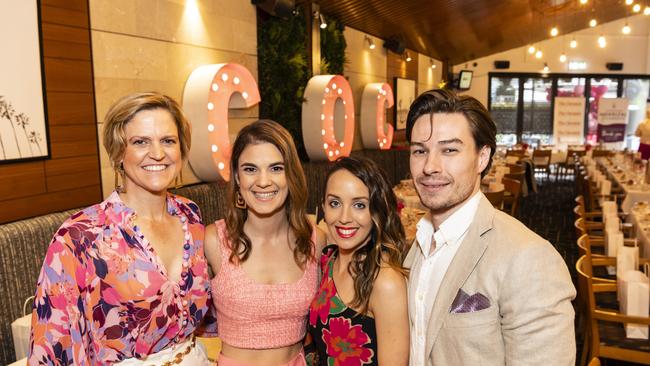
{"x":344,"y":102}
{"x":573,"y":43}
{"x":554,"y":31}
{"x":322,"y":117}
{"x":583,"y":2}
{"x":322,"y":132}
{"x":384,"y":141}
{"x":346,"y":116}
{"x":531,"y":49}
{"x":210,"y":106}
{"x":342,"y":144}
{"x":340,"y":91}
{"x":330,"y":154}
{"x":646,"y":11}
{"x":221,"y":165}
{"x":210,"y":127}
{"x":408,"y":58}
{"x":337,"y":152}
{"x":327,"y":90}
{"x":333,"y":86}
{"x":562,"y":58}
{"x":433,"y":66}
{"x":602,"y":42}
{"x":215,"y":148}
{"x":378,"y":96}
{"x":325,"y":146}
{"x":626,"y":29}
{"x":593,"y":23}
{"x":629,"y":2}
{"x":546,"y":68}
{"x":636,"y":8}
{"x":215,"y":87}
{"x":235,"y":80}
{"x":323,"y":101}
{"x":372,"y":46}
{"x":538,"y":54}
{"x":245,"y":95}
{"x":224,"y":77}
{"x":381,"y":144}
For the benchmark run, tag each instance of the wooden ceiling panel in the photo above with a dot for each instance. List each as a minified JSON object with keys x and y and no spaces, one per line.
{"x":461,"y":30}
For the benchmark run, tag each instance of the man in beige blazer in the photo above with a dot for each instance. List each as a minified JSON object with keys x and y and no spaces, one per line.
{"x":483,"y":288}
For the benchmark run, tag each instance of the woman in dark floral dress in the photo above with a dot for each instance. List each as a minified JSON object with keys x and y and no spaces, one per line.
{"x":359,"y":315}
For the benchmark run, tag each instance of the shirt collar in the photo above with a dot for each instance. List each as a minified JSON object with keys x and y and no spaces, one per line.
{"x":451,"y":230}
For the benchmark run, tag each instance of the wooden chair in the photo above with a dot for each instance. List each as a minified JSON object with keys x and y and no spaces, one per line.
{"x":542,"y":161}
{"x":601,"y":153}
{"x":495,"y":198}
{"x":594,"y":362}
{"x":512,"y":191}
{"x":606,"y":332}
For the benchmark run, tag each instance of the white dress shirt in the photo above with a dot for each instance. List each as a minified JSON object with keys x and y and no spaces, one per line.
{"x":433,"y":267}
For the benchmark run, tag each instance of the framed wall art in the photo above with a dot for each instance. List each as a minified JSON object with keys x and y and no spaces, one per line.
{"x":405,"y":95}
{"x":23,"y":116}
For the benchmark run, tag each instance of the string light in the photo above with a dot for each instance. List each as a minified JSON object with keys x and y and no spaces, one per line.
{"x":554,"y":31}
{"x":626,"y":29}
{"x":636,"y":8}
{"x":593,"y":22}
{"x":538,"y":54}
{"x":573,"y":43}
{"x":531,"y":49}
{"x":562,"y":58}
{"x":602,"y":42}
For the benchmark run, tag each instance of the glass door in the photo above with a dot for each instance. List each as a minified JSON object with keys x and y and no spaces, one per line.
{"x":537,"y":124}
{"x":504,"y":97}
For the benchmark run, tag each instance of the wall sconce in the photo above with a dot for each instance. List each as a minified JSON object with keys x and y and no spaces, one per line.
{"x":323,"y":25}
{"x":371,"y":43}
{"x":408,"y":56}
{"x":433,"y":65}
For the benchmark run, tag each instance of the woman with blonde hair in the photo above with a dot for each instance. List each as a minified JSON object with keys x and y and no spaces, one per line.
{"x":125,"y":281}
{"x":263,"y":253}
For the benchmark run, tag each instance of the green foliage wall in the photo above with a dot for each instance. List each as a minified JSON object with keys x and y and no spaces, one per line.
{"x":283,"y":70}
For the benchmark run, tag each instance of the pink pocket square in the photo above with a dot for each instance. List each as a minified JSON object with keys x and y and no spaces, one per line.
{"x":464,"y":303}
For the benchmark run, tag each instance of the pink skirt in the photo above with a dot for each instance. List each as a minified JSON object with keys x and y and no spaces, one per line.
{"x":299,"y":360}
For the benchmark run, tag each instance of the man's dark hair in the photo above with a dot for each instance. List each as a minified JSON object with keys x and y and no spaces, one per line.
{"x":483,"y":128}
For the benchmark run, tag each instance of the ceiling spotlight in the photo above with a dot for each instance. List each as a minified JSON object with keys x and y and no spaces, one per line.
{"x":323,"y":25}
{"x":593,"y":22}
{"x":629,"y":2}
{"x":531,"y":49}
{"x":371,"y":43}
{"x":538,"y":54}
{"x":626,"y":29}
{"x":554,"y":31}
{"x":408,"y":57}
{"x":636,"y":8}
{"x":563,"y":58}
{"x":583,"y":2}
{"x":573,"y":43}
{"x":602,"y":42}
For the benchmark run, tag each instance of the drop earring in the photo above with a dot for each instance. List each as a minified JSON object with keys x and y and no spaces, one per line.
{"x":239,"y":201}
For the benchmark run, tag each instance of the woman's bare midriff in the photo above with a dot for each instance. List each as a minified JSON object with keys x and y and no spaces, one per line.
{"x":262,"y":357}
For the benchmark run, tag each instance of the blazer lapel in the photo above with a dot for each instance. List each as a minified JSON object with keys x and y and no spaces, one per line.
{"x":466,"y":258}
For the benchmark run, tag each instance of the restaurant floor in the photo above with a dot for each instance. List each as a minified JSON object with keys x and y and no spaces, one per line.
{"x":549,"y":212}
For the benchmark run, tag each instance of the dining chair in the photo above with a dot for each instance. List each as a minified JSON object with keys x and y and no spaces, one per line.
{"x":606,"y":333}
{"x":594,"y":362}
{"x":495,"y":198}
{"x":542,"y":161}
{"x":511,"y":195}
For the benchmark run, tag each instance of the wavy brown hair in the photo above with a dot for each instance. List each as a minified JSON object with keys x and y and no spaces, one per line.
{"x":387,"y":235}
{"x":260,"y":132}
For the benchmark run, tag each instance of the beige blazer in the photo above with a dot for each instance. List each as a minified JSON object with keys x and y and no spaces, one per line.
{"x":530,"y":317}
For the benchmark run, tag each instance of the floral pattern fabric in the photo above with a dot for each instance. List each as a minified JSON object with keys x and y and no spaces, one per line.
{"x":338,"y":335}
{"x":103,"y":294}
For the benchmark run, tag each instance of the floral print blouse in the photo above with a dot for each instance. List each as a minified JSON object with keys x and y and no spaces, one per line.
{"x":337,"y":335}
{"x":103,"y":294}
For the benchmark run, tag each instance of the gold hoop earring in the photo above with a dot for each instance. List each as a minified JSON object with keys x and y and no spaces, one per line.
{"x":119,"y":171}
{"x":239,"y":201}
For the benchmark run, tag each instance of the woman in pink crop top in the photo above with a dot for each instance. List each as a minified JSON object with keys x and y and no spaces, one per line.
{"x":263,"y":253}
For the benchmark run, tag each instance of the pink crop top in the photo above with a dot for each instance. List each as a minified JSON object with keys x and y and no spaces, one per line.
{"x":260,"y":316}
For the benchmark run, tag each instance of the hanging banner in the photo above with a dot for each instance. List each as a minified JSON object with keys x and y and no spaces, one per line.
{"x":612,"y":119}
{"x":568,"y":120}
